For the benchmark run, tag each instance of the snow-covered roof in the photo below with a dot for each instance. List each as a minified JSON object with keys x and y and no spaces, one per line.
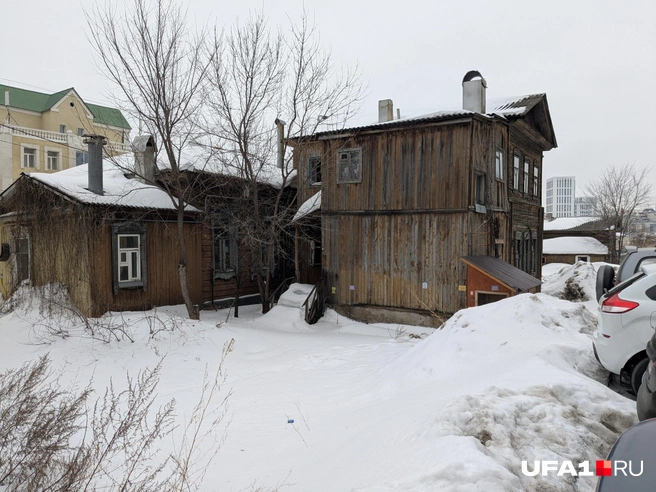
{"x":562,"y":223}
{"x":204,"y":158}
{"x":573,"y":246}
{"x":310,"y":205}
{"x":119,"y":190}
{"x":506,"y":107}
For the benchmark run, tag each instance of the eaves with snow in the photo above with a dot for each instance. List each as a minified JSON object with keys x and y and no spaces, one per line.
{"x":573,"y":246}
{"x":310,"y":205}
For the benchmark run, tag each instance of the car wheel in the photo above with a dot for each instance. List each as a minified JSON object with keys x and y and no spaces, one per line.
{"x":605,"y":278}
{"x":636,"y":375}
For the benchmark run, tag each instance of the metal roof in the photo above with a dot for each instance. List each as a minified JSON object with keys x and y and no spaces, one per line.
{"x":40,"y":102}
{"x":503,"y":272}
{"x":507,"y":107}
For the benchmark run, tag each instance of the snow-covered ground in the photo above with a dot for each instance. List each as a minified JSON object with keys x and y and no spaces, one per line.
{"x":374,"y":407}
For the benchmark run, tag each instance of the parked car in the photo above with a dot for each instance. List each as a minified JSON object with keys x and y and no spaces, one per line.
{"x":646,"y":402}
{"x":632,"y":461}
{"x":627,"y":313}
{"x":635,"y":259}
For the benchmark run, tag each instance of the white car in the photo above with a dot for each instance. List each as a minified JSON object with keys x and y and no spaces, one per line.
{"x":627,"y":316}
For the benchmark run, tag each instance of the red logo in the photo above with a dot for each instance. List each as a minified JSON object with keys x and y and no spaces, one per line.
{"x":604,"y":468}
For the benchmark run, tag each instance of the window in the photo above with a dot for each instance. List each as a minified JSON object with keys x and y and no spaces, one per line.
{"x":349,"y":166}
{"x":499,"y":160}
{"x":129,"y":255}
{"x":314,"y":171}
{"x":62,"y":128}
{"x":80,"y":132}
{"x":128,"y":258}
{"x":29,"y":157}
{"x":536,"y":181}
{"x":52,"y":160}
{"x":315,"y":253}
{"x":516,"y":169}
{"x":225,"y":250}
{"x":527,"y":173}
{"x":81,"y":158}
{"x":583,"y":258}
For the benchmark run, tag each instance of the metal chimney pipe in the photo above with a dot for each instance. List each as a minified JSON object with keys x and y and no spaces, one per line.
{"x":281,"y":148}
{"x":96,"y":143}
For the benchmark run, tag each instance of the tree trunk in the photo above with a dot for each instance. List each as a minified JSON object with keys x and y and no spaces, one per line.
{"x":192,"y":310}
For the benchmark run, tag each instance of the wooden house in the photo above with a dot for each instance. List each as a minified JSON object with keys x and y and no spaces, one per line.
{"x":113,"y":243}
{"x":403,"y":200}
{"x":570,"y":249}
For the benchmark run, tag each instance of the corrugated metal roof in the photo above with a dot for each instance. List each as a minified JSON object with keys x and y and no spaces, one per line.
{"x":507,"y":107}
{"x":504,"y":272}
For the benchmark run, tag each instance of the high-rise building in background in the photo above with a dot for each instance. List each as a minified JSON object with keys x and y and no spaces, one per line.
{"x":585,"y":206}
{"x":560,"y":196}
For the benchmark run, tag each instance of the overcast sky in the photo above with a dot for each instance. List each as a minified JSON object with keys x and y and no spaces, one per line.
{"x":595,"y":60}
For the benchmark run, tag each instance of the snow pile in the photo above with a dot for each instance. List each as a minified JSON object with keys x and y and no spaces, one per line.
{"x":520,"y":383}
{"x":571,"y":282}
{"x":346,"y":406}
{"x":296,"y":295}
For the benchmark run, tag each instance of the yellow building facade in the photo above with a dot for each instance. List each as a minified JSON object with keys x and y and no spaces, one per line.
{"x":42,"y":132}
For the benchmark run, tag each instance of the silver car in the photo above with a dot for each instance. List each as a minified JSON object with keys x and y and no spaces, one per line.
{"x":627,"y":316}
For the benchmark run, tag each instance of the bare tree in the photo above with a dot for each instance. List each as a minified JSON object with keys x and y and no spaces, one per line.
{"x":619,"y":192}
{"x":258,"y":79}
{"x":159,"y":67}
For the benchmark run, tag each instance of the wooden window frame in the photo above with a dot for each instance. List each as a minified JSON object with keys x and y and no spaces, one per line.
{"x":314,"y":171}
{"x":517,"y":160}
{"x":527,"y":174}
{"x":355,"y":151}
{"x":222,"y":230}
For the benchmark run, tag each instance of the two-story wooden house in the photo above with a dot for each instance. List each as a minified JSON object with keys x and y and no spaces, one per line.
{"x":402,"y":201}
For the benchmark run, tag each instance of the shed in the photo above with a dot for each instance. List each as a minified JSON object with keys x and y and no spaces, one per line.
{"x":573,"y":249}
{"x":491,"y":279}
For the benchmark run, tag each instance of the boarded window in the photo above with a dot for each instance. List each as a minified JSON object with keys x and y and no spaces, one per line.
{"x":480,"y":189}
{"x":314,"y":171}
{"x":349,"y":166}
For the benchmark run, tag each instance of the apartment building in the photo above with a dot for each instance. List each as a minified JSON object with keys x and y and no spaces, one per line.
{"x":559,"y":197}
{"x":42,"y":132}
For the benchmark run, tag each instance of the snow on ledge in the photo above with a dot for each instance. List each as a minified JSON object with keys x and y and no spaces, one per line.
{"x":310,"y":205}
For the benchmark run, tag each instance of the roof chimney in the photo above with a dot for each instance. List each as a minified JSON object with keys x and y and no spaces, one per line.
{"x":96,"y":143}
{"x":144,"y":158}
{"x":385,"y":110}
{"x":473,"y":92}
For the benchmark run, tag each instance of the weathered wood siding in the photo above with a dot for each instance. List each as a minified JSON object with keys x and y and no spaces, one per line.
{"x":215,"y":289}
{"x":162,"y":258}
{"x":385,"y":259}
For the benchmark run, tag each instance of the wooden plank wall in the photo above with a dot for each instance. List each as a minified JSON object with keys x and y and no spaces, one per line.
{"x":384,"y":259}
{"x":162,"y":257}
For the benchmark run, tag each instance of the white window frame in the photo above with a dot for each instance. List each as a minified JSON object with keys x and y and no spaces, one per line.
{"x":499,"y":164}
{"x":128,"y":262}
{"x":36,"y":150}
{"x":527,"y":174}
{"x":345,"y":158}
{"x":136,"y":276}
{"x":48,"y":166}
{"x":517,"y":166}
{"x":585,"y":258}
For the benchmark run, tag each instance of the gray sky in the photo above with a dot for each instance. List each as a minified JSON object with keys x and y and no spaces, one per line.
{"x":596,"y":61}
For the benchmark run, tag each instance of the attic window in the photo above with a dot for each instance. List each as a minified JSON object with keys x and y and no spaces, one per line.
{"x":349,"y":166}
